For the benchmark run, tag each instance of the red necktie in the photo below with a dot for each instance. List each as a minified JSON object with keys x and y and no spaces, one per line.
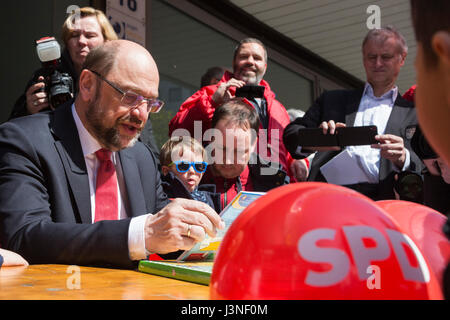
{"x":106,"y":188}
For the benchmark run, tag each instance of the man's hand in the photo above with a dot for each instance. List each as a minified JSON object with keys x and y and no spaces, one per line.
{"x":222,"y":93}
{"x":330,"y":126}
{"x":392,"y":148}
{"x":299,"y":169}
{"x":36,"y":101}
{"x":179,"y":225}
{"x":12,"y":259}
{"x":327,"y":128}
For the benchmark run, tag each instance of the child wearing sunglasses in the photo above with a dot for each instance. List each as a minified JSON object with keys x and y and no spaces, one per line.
{"x":183,"y":165}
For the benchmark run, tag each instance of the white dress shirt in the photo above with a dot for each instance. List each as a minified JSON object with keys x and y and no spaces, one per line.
{"x":89,"y":145}
{"x":373,"y":111}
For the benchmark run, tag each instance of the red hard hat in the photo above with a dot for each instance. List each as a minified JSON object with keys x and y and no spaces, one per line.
{"x":314,"y":240}
{"x":424,"y":226}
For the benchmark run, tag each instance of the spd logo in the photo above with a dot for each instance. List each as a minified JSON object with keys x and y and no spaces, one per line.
{"x":409,"y":258}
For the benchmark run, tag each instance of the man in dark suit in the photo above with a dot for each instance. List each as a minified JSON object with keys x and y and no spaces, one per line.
{"x":370,"y":169}
{"x":54,"y":208}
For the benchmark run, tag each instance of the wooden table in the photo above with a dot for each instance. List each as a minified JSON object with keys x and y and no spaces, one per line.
{"x":62,"y":282}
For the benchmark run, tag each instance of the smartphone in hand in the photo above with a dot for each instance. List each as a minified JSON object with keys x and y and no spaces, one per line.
{"x":343,"y":137}
{"x":357,"y":136}
{"x":250,"y":91}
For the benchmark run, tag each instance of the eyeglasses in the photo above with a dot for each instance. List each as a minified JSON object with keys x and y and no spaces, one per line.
{"x":133,"y":100}
{"x":183,"y":166}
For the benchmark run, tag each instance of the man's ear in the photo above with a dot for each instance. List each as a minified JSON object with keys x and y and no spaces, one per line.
{"x":234,"y":67}
{"x":403,"y":58}
{"x":88,"y":85}
{"x":440,"y":44}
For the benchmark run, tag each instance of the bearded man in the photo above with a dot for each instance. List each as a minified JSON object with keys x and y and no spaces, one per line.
{"x":76,"y":187}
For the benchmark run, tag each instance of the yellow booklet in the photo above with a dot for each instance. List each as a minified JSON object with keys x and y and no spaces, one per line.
{"x":202,"y":250}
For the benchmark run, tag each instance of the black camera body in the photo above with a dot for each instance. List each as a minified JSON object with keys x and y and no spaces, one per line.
{"x":409,"y":186}
{"x":58,"y":84}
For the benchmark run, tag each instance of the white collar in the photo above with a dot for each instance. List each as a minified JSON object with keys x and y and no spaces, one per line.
{"x":391,"y":94}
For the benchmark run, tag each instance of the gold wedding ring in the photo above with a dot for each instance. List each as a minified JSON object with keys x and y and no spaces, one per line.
{"x":189,"y":230}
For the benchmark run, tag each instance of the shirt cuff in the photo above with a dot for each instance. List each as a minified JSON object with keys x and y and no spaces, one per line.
{"x":136,"y":238}
{"x":407,"y":160}
{"x":406,"y":164}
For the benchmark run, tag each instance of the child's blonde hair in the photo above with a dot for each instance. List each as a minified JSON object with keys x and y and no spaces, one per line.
{"x":176,"y":145}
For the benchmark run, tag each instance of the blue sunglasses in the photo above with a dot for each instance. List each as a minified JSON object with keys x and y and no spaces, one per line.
{"x":183,"y":166}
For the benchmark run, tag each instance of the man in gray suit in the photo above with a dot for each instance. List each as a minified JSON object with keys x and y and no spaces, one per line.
{"x":369,"y":169}
{"x":50,"y":164}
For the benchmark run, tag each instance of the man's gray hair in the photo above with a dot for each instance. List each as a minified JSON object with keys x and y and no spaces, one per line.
{"x":249,"y":40}
{"x":385,"y":33}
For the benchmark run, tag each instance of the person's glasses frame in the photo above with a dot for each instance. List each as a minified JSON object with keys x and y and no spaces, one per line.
{"x":184,"y":166}
{"x":133,"y":99}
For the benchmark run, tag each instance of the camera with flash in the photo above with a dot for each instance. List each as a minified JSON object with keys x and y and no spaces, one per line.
{"x":58,"y":85}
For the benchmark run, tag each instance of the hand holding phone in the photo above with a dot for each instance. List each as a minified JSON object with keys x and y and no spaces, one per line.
{"x":222,"y":93}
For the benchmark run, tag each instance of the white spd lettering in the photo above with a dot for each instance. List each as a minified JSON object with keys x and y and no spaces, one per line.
{"x":419,"y":273}
{"x":311,"y":252}
{"x":362,"y":256}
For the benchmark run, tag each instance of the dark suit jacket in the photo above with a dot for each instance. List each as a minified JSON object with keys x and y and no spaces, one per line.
{"x":45,"y":212}
{"x":342,"y":106}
